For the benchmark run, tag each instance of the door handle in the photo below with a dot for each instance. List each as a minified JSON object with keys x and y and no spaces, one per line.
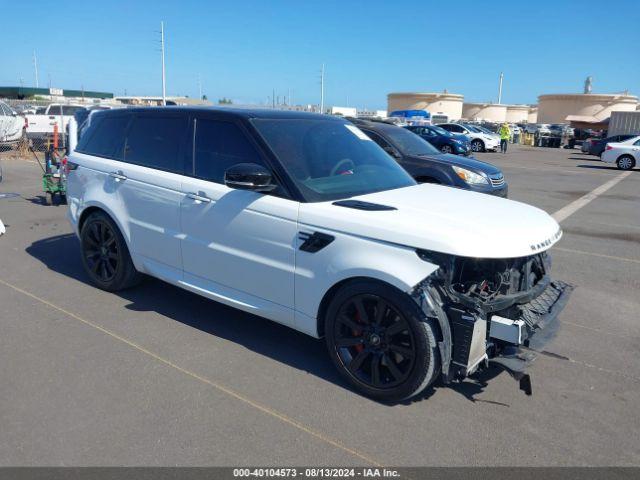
{"x":119,"y":176}
{"x":198,"y":198}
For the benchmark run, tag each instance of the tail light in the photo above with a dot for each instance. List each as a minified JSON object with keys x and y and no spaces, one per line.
{"x":26,"y":123}
{"x":608,"y":147}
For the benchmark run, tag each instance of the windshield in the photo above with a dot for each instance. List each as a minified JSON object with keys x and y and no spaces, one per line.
{"x":473,"y":128}
{"x":331,"y":160}
{"x":441,"y":131}
{"x":483,"y":129}
{"x":409,"y":143}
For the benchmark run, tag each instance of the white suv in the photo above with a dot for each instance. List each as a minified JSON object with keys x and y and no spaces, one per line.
{"x":480,"y":141}
{"x":302,"y":219}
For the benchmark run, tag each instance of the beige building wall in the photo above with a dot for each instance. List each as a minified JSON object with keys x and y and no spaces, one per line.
{"x":532,"y":116}
{"x":517,"y":113}
{"x":491,"y":112}
{"x":449,"y":104}
{"x":555,"y":108}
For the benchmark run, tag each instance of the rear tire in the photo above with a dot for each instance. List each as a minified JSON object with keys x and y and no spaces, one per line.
{"x":105,"y":255}
{"x":626,"y":162}
{"x":380,"y":341}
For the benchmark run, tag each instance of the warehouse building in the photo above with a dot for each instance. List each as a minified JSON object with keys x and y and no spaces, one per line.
{"x":55,"y":94}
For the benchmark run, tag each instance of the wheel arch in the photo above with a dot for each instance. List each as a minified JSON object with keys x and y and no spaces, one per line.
{"x":384,"y":280}
{"x":99,"y":207}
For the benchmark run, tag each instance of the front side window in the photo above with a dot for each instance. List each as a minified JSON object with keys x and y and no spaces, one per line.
{"x":105,"y":137}
{"x":154,"y":141}
{"x":218,"y":146}
{"x":637,"y":143}
{"x":330,"y":159}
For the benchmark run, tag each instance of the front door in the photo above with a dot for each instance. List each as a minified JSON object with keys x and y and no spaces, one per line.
{"x":238,"y":246}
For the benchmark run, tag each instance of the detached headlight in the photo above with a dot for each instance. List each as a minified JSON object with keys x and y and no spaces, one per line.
{"x":469,"y":176}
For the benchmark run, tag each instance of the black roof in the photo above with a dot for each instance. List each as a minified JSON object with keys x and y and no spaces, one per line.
{"x":245,"y":113}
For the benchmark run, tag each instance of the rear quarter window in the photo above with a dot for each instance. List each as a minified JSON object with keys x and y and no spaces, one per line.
{"x":105,"y":137}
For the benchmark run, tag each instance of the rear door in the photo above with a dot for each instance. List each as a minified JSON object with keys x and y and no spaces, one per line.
{"x":148,"y":182}
{"x":238,"y":245}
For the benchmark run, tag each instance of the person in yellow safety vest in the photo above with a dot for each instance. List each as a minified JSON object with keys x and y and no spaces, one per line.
{"x":505,"y":134}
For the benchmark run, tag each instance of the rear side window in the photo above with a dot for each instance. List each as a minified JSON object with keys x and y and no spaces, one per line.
{"x":105,"y":138}
{"x":155,"y":141}
{"x":55,"y":110}
{"x":218,"y":146}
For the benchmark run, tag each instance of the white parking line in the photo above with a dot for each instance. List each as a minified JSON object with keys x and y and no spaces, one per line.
{"x":601,"y":255}
{"x":576,"y":205}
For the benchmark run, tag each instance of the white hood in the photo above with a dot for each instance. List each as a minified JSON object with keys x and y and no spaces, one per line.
{"x":442,"y":219}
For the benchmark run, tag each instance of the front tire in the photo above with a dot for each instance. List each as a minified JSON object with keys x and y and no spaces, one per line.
{"x":626,"y":162}
{"x":105,"y":255}
{"x":446,"y":149}
{"x":477,"y":145}
{"x":380,"y":341}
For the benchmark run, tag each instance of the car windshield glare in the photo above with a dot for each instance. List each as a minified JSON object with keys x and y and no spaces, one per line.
{"x":442,"y":131}
{"x":409,"y":143}
{"x":329,"y":159}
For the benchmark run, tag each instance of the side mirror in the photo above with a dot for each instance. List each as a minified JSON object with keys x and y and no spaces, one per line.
{"x":248,"y":176}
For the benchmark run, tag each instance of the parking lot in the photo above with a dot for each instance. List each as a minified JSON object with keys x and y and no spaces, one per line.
{"x":160,"y":376}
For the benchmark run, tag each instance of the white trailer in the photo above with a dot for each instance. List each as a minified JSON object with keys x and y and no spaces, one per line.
{"x":624,"y":123}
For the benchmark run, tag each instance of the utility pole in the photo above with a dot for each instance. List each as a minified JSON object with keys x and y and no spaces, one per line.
{"x":322,"y":89}
{"x":35,"y":67}
{"x":273,"y":98}
{"x":500,"y":89}
{"x":200,"y":86}
{"x":164,"y":90}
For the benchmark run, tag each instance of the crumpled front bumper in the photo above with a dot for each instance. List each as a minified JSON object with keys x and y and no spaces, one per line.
{"x":539,"y":324}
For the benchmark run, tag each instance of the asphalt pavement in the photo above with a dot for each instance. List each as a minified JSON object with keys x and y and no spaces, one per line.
{"x":159,"y":376}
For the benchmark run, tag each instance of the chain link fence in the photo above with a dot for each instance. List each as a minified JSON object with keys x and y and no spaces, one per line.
{"x":29,"y":127}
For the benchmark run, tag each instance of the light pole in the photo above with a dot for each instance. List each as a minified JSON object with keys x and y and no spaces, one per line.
{"x":322,"y":89}
{"x":164,"y":91}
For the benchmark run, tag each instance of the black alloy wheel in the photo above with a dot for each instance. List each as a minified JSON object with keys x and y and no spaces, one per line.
{"x":380,"y":341}
{"x":374,"y":341}
{"x":105,"y":255}
{"x":101,"y":251}
{"x":446,"y":149}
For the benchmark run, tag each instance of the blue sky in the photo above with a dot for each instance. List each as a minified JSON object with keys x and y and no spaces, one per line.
{"x":243,"y":49}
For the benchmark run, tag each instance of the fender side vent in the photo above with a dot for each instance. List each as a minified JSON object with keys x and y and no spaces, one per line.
{"x":360,"y":205}
{"x":314,"y":242}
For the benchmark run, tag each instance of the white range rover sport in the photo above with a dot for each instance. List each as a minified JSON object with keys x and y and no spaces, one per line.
{"x":302,"y":219}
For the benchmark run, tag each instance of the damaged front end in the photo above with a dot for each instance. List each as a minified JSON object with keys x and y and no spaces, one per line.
{"x":498,"y":311}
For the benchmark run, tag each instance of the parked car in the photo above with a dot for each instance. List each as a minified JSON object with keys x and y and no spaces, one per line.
{"x":595,"y":146}
{"x":426,"y":164}
{"x":302,"y":219}
{"x":625,"y":154}
{"x":443,"y":140}
{"x":12,"y":126}
{"x":480,"y":141}
{"x":41,"y":125}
